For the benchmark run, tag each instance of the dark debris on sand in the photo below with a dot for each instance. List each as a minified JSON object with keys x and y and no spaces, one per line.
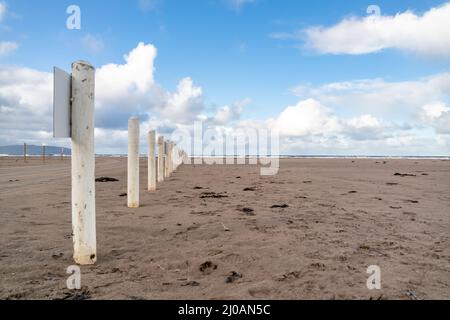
{"x":279,"y":206}
{"x":403,"y":175}
{"x":232,"y":277}
{"x":106,"y":179}
{"x":213,"y":195}
{"x":247,"y":211}
{"x":82,"y":294}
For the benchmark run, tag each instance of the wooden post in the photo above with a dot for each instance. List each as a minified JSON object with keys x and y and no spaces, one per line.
{"x":133,"y":162}
{"x":24,"y":152}
{"x":160,"y":159}
{"x":151,"y":161}
{"x":43,"y":153}
{"x":83,"y":164}
{"x":62,"y":153}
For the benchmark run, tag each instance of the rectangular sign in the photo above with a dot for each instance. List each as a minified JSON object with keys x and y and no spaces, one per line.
{"x":62,"y":92}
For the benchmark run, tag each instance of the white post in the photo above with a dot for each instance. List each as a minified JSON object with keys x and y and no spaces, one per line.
{"x":133,"y":163}
{"x":175,"y":157}
{"x":160,"y":159}
{"x":170,"y":152}
{"x":151,"y":161}
{"x":83,"y":164}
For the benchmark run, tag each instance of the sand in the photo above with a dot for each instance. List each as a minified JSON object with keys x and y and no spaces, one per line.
{"x":201,"y":236}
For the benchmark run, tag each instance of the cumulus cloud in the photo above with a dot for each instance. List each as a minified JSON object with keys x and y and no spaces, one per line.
{"x":307,"y":117}
{"x":122,"y":90}
{"x":339,"y":118}
{"x":8,"y":47}
{"x":382,"y":98}
{"x":231,"y":113}
{"x":25,"y":100}
{"x":127,"y":89}
{"x":437,"y":114}
{"x":184,"y":105}
{"x":424,"y":34}
{"x":311,"y":118}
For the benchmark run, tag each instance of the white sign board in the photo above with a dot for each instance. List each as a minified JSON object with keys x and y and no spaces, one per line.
{"x":62,"y":92}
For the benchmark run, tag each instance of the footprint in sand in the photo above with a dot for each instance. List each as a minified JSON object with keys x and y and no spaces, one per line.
{"x":207,"y":267}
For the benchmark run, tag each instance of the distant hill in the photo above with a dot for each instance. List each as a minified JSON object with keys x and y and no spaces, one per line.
{"x":33,"y":150}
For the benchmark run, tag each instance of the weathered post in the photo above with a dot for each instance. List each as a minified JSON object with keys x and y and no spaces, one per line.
{"x":83,"y":164}
{"x":62,"y":153}
{"x":24,"y":152}
{"x":170,"y":154}
{"x":160,"y":159}
{"x":151,"y":161}
{"x":43,"y":153}
{"x":133,"y":162}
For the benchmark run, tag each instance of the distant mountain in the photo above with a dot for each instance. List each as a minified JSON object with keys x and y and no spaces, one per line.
{"x":33,"y":150}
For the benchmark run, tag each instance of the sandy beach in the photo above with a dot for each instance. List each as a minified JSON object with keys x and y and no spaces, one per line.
{"x":225,"y":232}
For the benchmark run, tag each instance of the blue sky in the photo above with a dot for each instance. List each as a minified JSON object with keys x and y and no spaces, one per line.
{"x":233,"y":50}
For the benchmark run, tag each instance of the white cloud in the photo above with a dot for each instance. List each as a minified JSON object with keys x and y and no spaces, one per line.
{"x":310,"y":118}
{"x":386,"y":99}
{"x":127,"y":89}
{"x":320,"y":123}
{"x":307,"y":117}
{"x":425,"y":34}
{"x":231,"y":113}
{"x":26,"y":89}
{"x":92,"y":44}
{"x":437,"y":114}
{"x":434,"y":111}
{"x":25,"y":105}
{"x":184,"y":105}
{"x":122,"y":90}
{"x":8,"y":47}
{"x":116,"y":83}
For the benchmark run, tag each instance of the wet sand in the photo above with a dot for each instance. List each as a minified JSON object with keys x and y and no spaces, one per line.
{"x":308,"y":233}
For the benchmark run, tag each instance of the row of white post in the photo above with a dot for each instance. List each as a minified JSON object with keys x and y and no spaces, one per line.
{"x":169,"y":158}
{"x":83,"y":163}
